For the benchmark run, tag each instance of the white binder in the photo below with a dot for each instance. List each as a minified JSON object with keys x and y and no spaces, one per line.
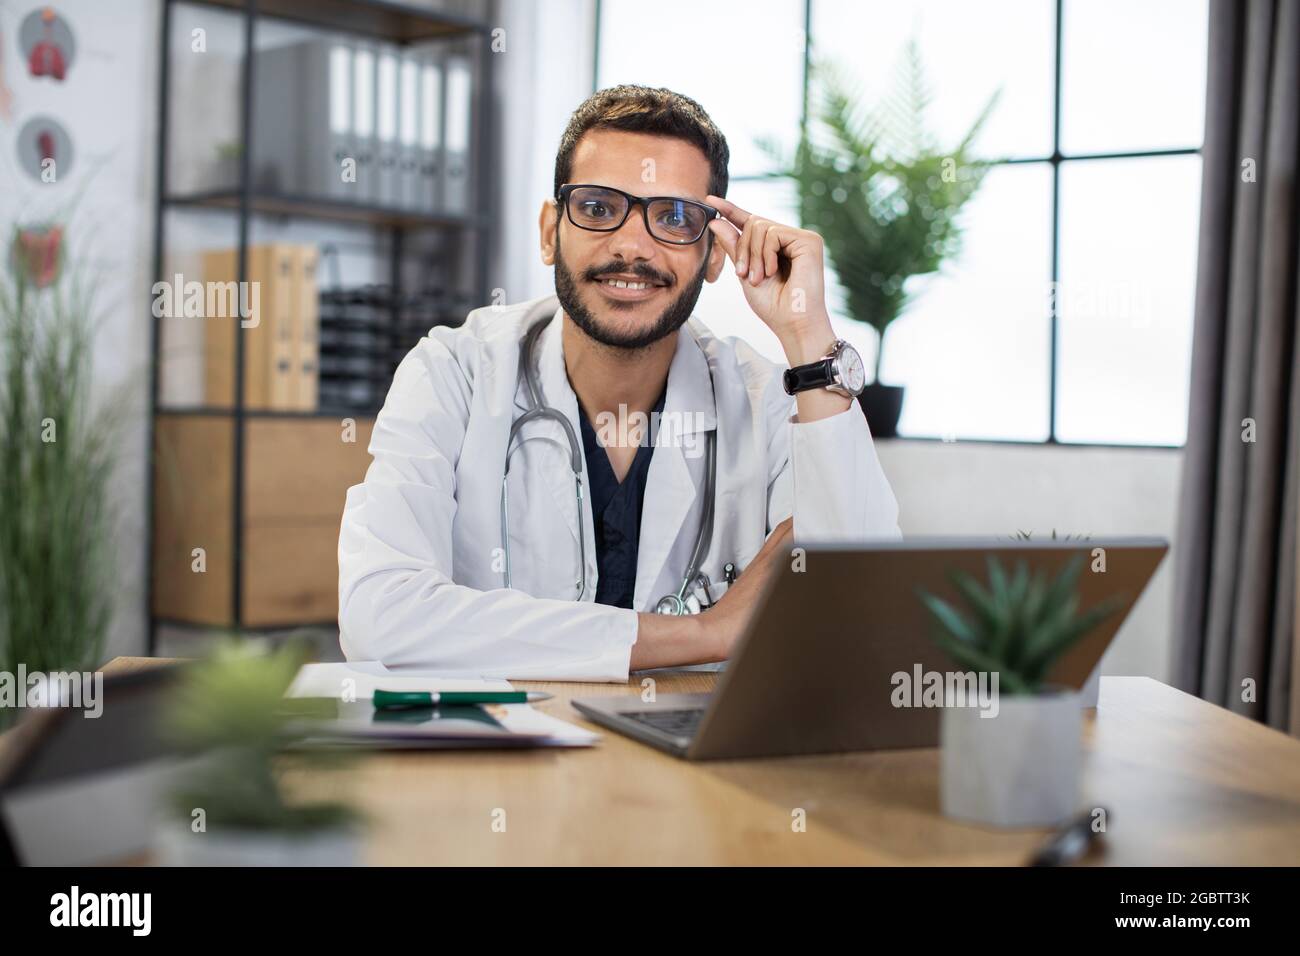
{"x":302,"y":112}
{"x":387,"y":119}
{"x":430,"y":137}
{"x":408,"y":133}
{"x":458,"y":135}
{"x":364,"y":106}
{"x":339,"y":148}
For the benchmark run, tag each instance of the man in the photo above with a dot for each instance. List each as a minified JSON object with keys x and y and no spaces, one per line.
{"x":643,"y":392}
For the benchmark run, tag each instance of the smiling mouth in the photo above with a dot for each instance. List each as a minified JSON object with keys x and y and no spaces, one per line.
{"x":627,"y":284}
{"x":628,"y":289}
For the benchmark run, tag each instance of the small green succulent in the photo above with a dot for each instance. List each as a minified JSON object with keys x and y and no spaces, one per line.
{"x":1019,"y":626}
{"x":1028,"y":535}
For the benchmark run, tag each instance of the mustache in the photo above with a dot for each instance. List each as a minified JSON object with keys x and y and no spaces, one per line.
{"x":641,"y":270}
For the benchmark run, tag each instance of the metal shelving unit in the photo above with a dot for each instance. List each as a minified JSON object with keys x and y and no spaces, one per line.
{"x":387,"y":20}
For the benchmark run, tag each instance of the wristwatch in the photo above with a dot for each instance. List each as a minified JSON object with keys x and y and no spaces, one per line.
{"x":840,"y":370}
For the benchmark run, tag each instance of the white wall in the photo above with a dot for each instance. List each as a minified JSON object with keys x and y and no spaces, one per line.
{"x":108,"y":105}
{"x":542,"y":76}
{"x":983,"y":488}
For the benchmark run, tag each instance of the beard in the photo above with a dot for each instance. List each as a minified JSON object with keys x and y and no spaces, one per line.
{"x":672,"y":318}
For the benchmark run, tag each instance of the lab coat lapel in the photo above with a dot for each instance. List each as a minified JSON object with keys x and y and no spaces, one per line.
{"x":558,"y":394}
{"x":671,"y":511}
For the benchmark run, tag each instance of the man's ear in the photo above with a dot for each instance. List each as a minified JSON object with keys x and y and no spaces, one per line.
{"x":546,"y":223}
{"x":717,"y":258}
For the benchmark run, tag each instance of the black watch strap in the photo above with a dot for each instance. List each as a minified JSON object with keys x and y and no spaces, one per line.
{"x":817,"y":374}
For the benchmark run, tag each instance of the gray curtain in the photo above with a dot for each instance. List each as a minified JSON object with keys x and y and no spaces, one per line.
{"x":1234,"y":617}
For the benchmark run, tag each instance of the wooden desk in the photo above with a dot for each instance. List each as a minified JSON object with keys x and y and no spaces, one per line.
{"x":1186,"y":782}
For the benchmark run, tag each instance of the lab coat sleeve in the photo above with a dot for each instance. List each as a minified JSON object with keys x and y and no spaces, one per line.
{"x":826,"y":474}
{"x":398,"y":603}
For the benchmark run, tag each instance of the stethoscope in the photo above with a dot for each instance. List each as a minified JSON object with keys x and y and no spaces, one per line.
{"x":682,"y":601}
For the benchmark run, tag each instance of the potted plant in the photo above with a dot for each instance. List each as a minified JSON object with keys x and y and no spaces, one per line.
{"x":57,"y":458}
{"x":1015,"y":765}
{"x":885,"y":197}
{"x":231,"y":806}
{"x":1091,"y":689}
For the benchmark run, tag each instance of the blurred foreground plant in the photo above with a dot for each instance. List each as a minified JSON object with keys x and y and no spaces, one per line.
{"x":57,"y":456}
{"x":231,"y":707}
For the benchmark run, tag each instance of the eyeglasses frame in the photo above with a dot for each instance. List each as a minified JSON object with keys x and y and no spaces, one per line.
{"x":562,"y":197}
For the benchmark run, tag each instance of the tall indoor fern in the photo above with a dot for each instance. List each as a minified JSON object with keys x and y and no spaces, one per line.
{"x":883,"y":194}
{"x":56,"y":461}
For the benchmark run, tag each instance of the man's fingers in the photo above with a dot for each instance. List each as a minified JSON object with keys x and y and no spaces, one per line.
{"x":729,"y":209}
{"x":756,"y":252}
{"x":742,"y":248}
{"x":771,"y":245}
{"x":726,"y":235}
{"x":757,"y":239}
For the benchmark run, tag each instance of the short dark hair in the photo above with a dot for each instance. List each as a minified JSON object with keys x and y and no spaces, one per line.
{"x":644,"y":109}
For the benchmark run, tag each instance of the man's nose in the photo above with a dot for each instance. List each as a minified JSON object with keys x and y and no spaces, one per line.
{"x":632,"y":241}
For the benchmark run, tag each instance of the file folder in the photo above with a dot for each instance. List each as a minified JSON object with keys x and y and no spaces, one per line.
{"x":306,"y":329}
{"x":302,"y":113}
{"x":364,"y":107}
{"x":269,"y":306}
{"x":278,"y":310}
{"x":408,"y":133}
{"x":341,"y":148}
{"x":387,"y":190}
{"x":430,"y":137}
{"x":458,"y":109}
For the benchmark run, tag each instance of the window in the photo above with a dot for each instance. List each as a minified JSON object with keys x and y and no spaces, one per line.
{"x":1068,"y":315}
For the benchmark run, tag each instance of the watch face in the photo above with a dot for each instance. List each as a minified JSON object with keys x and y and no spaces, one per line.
{"x":853,"y":375}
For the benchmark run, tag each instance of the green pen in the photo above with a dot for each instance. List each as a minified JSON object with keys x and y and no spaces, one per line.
{"x":385,"y":699}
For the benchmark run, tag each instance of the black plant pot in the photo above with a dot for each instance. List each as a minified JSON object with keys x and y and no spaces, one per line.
{"x":882,"y":404}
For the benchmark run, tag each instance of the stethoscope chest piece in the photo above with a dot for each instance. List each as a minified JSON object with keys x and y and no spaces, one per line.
{"x":685,"y":601}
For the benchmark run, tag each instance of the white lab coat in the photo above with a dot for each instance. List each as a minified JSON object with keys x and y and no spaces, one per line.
{"x":420,"y":562}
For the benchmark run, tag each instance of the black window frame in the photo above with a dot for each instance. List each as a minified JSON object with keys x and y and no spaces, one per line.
{"x":1056,"y":159}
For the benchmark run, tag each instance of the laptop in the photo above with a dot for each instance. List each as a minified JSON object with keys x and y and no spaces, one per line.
{"x":815,"y":671}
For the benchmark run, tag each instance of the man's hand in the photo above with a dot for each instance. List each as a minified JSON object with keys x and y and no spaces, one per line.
{"x":726,"y":621}
{"x":782,"y":271}
{"x":667,"y":641}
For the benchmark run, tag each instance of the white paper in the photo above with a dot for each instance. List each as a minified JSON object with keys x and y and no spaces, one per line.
{"x":358,"y":680}
{"x":526,"y":719}
{"x":355,"y":683}
{"x":514,"y":725}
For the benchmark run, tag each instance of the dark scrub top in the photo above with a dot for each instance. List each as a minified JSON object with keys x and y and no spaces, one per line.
{"x":616,"y":509}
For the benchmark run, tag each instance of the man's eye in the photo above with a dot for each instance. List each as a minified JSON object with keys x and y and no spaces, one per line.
{"x":595,"y":209}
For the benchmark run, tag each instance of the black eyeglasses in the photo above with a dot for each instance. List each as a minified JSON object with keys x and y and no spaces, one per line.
{"x":667,"y":218}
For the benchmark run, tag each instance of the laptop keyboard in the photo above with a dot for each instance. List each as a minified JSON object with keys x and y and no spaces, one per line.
{"x":677,"y":723}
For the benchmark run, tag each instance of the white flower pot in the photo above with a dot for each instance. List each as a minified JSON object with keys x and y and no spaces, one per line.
{"x":176,"y":845}
{"x":1091,"y":688}
{"x":1019,"y":768}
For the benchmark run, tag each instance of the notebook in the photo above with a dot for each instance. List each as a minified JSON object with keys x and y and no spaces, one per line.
{"x":346,"y":689}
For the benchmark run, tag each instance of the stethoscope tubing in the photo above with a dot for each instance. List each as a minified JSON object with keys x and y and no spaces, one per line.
{"x":537,"y":411}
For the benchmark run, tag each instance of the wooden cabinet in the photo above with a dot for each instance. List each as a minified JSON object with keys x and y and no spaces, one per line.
{"x":296,"y":473}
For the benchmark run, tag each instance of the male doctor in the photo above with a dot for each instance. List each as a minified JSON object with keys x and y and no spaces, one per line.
{"x":638,"y":222}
